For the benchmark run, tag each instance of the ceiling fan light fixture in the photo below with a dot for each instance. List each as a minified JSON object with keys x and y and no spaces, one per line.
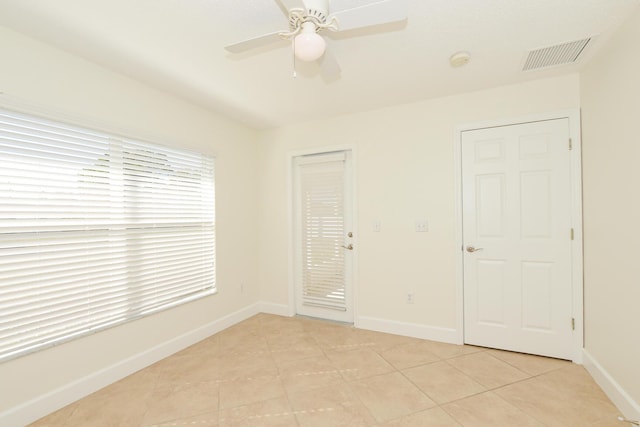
{"x":309,"y":46}
{"x":307,"y":18}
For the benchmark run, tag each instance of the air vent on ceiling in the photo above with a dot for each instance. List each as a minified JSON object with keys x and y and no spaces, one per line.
{"x":561,"y":54}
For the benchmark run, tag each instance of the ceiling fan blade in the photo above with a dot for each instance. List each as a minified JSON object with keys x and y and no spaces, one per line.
{"x":287,"y":5}
{"x":255,"y":42}
{"x":329,"y":67}
{"x":381,"y":12}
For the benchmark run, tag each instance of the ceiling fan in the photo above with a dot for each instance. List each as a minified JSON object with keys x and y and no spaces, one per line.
{"x":308,"y":18}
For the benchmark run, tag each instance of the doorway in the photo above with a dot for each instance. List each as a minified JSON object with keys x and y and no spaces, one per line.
{"x":323,"y":235}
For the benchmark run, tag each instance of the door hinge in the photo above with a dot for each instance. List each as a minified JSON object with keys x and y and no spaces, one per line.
{"x":572,"y":234}
{"x":573,"y":324}
{"x":570,"y":144}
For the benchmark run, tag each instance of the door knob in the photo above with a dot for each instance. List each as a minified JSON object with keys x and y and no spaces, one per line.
{"x":349,"y":247}
{"x":471,"y":249}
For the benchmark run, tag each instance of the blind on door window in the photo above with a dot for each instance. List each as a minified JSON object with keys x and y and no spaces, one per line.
{"x":322,"y":231}
{"x":96,"y":230}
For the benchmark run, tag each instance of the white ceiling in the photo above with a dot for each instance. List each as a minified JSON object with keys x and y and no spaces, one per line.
{"x":178,"y":46}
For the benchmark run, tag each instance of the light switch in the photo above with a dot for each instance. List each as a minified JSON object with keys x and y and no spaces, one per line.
{"x":422,"y":226}
{"x":377,"y":225}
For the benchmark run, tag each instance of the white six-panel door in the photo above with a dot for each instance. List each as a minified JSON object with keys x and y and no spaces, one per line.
{"x":516,"y":205}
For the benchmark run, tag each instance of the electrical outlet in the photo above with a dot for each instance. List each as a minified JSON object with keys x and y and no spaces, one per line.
{"x":410,"y":298}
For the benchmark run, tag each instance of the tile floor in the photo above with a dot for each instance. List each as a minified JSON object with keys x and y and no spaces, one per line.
{"x":276,"y":371}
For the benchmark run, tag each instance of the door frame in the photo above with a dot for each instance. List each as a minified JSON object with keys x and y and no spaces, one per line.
{"x":291,"y":270}
{"x":573,"y":115}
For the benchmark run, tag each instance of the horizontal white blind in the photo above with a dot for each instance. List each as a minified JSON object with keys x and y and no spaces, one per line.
{"x":96,"y":230}
{"x":323,"y":231}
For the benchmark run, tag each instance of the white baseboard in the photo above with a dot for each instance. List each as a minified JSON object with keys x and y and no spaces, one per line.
{"x":629,"y":408}
{"x":414,"y":330}
{"x":277,"y":309}
{"x":39,"y":407}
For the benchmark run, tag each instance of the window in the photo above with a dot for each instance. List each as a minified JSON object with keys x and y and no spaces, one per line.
{"x":96,"y":230}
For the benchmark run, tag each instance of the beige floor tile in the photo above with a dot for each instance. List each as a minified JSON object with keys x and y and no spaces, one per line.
{"x":489,"y":410}
{"x":279,"y":327}
{"x":245,"y":366}
{"x":208,"y":347}
{"x":142,"y":383}
{"x":335,"y":406}
{"x":188,"y":370}
{"x":576,"y":378}
{"x":409,"y":355}
{"x":390,"y":396}
{"x":169,"y":362}
{"x":307,"y":374}
{"x":296,"y":372}
{"x":611,"y":422}
{"x":434,"y":417}
{"x":241,"y":340}
{"x":246,"y":391}
{"x":254,"y":323}
{"x":487,"y":370}
{"x":290,"y":339}
{"x":380,"y":341}
{"x":359,"y":364}
{"x":57,"y":418}
{"x":447,"y":351}
{"x":268,"y":413}
{"x":208,"y":419}
{"x":296,"y":352}
{"x":253,"y":346}
{"x":340,"y":339}
{"x":112,"y":411}
{"x":442,"y":382}
{"x":320,"y":326}
{"x":528,"y":363}
{"x":293,"y":347}
{"x":180,"y":402}
{"x":564,"y":397}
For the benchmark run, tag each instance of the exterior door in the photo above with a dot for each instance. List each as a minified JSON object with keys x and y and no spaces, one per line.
{"x":516,"y":206}
{"x":323,"y":236}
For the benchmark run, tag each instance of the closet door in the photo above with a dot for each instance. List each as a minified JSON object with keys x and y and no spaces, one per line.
{"x":516,"y":197}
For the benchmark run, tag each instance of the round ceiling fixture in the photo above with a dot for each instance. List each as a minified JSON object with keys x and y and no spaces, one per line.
{"x":309,"y":46}
{"x":459,"y":59}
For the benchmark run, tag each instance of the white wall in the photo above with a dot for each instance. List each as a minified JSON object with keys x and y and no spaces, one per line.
{"x":610,"y":88}
{"x":33,"y":73}
{"x":405,"y":171}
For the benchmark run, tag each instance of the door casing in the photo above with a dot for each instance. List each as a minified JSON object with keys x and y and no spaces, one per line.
{"x":576,"y":217}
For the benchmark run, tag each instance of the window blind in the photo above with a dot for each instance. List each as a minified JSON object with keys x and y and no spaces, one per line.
{"x":96,"y":230}
{"x":322,"y":231}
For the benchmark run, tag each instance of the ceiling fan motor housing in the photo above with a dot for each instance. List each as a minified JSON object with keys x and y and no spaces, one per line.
{"x":318,"y":6}
{"x":316,"y":11}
